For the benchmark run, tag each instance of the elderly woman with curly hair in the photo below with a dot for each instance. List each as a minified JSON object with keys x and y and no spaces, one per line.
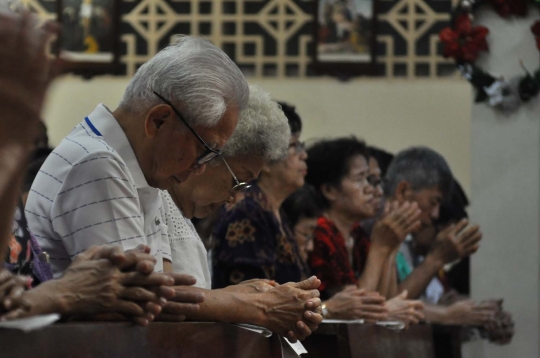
{"x":261,"y":137}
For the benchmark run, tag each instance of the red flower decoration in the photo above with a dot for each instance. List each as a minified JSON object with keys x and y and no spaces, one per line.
{"x":464,"y":42}
{"x":535,"y":29}
{"x":507,"y":8}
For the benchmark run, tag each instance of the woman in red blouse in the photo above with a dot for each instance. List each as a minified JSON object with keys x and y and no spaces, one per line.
{"x":343,"y":257}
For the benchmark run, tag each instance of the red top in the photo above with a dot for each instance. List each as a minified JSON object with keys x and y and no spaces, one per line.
{"x":329,"y":260}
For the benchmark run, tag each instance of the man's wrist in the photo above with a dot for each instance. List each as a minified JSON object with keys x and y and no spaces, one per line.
{"x":433,"y":261}
{"x":49,"y":297}
{"x":251,"y":308}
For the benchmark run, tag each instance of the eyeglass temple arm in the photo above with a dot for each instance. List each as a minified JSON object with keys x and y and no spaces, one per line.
{"x":186,"y":123}
{"x":232,"y":173}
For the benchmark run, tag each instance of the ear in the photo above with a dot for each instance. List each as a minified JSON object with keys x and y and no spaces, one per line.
{"x":156,"y":118}
{"x":329,"y":192}
{"x":403,"y":191}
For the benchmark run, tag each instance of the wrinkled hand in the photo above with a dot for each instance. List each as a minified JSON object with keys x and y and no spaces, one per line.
{"x":397,"y":222}
{"x":183,"y":302}
{"x":401,"y":309}
{"x":293,"y":309}
{"x":11,"y":289}
{"x":455,"y":242}
{"x":98,"y":281}
{"x":469,"y":313}
{"x":252,"y":286}
{"x":501,"y":329}
{"x":357,"y":304}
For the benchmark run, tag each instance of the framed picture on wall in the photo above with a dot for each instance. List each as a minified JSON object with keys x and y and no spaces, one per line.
{"x":90,"y":35}
{"x":345,"y":37}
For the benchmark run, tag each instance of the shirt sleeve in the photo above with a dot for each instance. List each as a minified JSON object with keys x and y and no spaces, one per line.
{"x":97,"y":205}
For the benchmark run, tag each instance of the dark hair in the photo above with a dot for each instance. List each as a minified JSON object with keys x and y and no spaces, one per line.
{"x":382,"y":157}
{"x":303,"y":203}
{"x":422,"y":168}
{"x":295,"y":122}
{"x":35,"y":162}
{"x":328,"y":162}
{"x":453,"y":209}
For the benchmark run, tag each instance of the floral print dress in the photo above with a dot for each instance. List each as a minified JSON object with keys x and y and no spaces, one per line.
{"x":251,"y":243}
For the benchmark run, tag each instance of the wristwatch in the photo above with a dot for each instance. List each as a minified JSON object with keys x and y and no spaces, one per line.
{"x":324,"y":310}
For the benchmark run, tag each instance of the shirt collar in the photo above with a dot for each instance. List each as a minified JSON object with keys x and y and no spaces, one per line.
{"x":114,"y":136}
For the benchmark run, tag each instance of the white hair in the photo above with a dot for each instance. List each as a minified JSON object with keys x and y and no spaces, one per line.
{"x":262,"y":130}
{"x":198,"y":78}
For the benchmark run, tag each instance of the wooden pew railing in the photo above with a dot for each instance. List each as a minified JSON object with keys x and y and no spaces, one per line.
{"x":216,"y":340}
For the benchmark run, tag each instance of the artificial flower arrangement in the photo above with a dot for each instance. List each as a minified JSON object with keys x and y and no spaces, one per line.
{"x":464,"y":42}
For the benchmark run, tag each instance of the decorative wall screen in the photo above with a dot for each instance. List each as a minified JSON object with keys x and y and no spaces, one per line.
{"x":272,"y":38}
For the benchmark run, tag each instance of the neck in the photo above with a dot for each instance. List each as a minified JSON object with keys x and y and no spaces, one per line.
{"x":343,"y":222}
{"x":275,"y":192}
{"x":127,"y":122}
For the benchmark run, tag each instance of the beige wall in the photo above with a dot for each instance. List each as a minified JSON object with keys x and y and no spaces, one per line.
{"x":505,"y":154}
{"x":388,"y":113}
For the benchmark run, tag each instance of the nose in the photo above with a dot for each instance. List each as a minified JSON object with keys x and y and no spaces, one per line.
{"x":198,"y":169}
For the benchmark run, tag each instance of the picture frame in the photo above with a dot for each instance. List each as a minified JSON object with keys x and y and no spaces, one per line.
{"x":90,"y":36}
{"x":345,"y":38}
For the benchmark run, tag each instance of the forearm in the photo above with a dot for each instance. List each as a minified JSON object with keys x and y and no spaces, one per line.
{"x":48,"y":298}
{"x":418,"y":280}
{"x":371,"y":278}
{"x":226,"y":306}
{"x":435,"y":313}
{"x":389,"y":284}
{"x":13,"y":158}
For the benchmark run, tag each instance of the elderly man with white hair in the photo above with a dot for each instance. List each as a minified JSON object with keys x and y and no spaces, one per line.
{"x":100,"y":186}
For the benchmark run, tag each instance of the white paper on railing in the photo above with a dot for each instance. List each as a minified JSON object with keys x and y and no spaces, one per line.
{"x":345,"y":321}
{"x":31,"y":323}
{"x":393,"y":325}
{"x":260,"y":330}
{"x":291,"y":350}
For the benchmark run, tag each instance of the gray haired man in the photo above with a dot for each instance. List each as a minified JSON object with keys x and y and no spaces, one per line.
{"x":422,"y":175}
{"x":100,"y":186}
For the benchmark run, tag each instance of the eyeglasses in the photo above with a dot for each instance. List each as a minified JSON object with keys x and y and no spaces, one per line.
{"x":209,"y":153}
{"x":299,"y":147}
{"x":238,"y":186}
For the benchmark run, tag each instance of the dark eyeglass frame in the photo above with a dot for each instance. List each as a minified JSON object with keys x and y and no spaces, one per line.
{"x":209,"y":153}
{"x":239,"y":186}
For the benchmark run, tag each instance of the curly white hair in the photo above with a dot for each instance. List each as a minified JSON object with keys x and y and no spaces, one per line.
{"x":262,"y":130}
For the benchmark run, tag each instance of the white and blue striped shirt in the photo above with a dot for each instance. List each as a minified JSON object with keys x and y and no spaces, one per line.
{"x":92,"y":191}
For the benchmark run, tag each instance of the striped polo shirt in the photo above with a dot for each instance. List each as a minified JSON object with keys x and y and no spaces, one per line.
{"x":92,"y":191}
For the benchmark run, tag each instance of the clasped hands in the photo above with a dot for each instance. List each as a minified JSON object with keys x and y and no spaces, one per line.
{"x":292,"y":310}
{"x":101,"y":280}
